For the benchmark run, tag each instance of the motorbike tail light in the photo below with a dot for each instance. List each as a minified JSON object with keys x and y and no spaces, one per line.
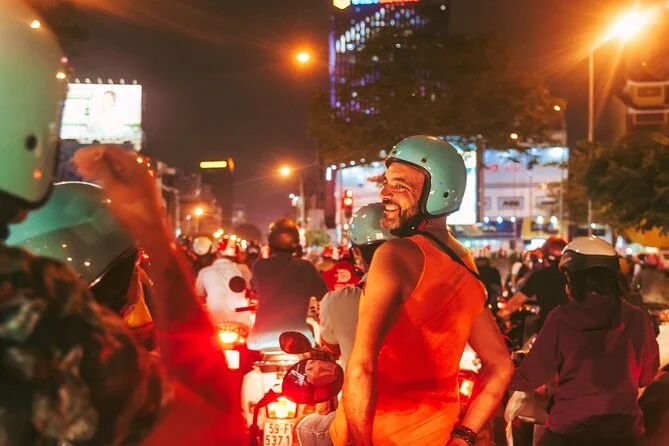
{"x":228,"y":336}
{"x":283,"y":408}
{"x":466,"y":383}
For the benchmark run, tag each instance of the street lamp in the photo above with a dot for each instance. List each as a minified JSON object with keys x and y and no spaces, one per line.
{"x":624,"y":29}
{"x":286,"y":171}
{"x":303,"y":57}
{"x":198,"y":212}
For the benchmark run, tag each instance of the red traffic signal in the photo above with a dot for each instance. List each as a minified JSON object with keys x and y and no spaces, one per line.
{"x":347,"y":203}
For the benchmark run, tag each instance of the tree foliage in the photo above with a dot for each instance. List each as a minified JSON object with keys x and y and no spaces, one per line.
{"x":409,"y":82}
{"x":317,"y":238}
{"x":628,"y":182}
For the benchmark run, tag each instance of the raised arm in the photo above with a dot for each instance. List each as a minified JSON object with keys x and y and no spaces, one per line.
{"x":185,"y":333}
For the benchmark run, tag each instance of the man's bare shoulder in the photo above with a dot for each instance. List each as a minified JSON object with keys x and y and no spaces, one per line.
{"x":396,"y":254}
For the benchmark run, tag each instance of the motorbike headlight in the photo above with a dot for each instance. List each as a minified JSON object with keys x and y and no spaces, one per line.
{"x":283,"y":408}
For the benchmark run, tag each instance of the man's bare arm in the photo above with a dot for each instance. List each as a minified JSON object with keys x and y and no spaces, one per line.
{"x":486,"y":340}
{"x":382,"y":296}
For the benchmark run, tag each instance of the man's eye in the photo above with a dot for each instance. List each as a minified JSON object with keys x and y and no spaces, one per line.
{"x":398,"y":186}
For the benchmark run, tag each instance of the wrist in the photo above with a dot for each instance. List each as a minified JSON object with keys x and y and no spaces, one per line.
{"x":465,"y":434}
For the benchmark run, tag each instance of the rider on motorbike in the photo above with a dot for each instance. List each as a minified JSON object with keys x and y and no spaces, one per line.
{"x":602,"y":349}
{"x":339,"y":310}
{"x":70,"y":370}
{"x":213,"y":286}
{"x":76,"y":228}
{"x":546,"y":284}
{"x":284,"y":285}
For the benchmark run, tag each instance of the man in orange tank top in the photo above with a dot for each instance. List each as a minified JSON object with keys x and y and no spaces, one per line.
{"x":422,"y":304}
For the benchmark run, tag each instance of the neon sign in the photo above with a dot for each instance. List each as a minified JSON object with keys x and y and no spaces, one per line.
{"x":377,"y":2}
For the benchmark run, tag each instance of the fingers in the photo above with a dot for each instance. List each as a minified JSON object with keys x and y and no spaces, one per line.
{"x":108,"y":164}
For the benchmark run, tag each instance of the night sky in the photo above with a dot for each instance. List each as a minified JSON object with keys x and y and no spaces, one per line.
{"x":219,"y":79}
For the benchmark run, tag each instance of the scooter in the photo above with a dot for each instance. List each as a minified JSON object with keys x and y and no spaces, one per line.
{"x":278,"y":412}
{"x":525,"y":412}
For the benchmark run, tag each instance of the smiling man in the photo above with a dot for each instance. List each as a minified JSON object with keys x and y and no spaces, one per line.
{"x":422,"y":303}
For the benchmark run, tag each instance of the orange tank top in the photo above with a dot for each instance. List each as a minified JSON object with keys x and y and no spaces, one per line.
{"x":418,"y":398}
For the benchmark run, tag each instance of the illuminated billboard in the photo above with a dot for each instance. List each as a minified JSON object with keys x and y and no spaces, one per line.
{"x":107,"y":113}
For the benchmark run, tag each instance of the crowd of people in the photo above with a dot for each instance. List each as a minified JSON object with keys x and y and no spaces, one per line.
{"x":73,"y":369}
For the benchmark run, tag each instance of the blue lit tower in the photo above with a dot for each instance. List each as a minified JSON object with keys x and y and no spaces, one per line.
{"x":357,"y":21}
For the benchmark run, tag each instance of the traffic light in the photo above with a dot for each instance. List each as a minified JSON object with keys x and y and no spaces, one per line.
{"x":347,"y":203}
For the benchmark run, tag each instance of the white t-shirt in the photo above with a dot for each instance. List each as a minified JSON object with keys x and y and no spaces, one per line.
{"x":213,"y":282}
{"x":339,"y":318}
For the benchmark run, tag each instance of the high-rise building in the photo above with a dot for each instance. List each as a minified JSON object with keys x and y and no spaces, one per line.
{"x":355,"y":22}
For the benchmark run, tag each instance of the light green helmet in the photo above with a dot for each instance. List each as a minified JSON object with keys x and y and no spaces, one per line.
{"x":76,"y":227}
{"x":444,"y":168}
{"x":32,"y":91}
{"x":366,"y":226}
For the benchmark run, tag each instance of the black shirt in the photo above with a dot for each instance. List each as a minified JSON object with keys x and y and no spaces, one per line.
{"x":284,"y":285}
{"x":492,"y":280}
{"x":548,"y":286}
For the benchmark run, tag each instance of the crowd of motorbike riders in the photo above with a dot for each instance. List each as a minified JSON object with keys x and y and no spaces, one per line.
{"x":108,"y":326}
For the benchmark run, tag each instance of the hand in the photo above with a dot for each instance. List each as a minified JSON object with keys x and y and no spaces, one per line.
{"x":130,"y":189}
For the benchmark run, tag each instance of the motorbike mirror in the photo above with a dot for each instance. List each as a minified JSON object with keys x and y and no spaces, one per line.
{"x":202,"y":245}
{"x":313,"y":381}
{"x":237,"y":284}
{"x":294,"y":342}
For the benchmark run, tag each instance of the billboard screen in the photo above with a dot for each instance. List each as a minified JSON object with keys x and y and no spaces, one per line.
{"x":107,"y":113}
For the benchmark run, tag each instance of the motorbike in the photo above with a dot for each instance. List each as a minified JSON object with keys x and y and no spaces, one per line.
{"x":306,"y":375}
{"x":525,"y":412}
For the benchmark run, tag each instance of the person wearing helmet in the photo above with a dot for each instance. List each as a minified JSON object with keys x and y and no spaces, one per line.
{"x":212,"y":284}
{"x":602,"y":349}
{"x":92,"y":384}
{"x":284,"y":285}
{"x":422,"y":303}
{"x":327,"y":259}
{"x":339,"y":311}
{"x":546,"y":284}
{"x":650,"y":281}
{"x":76,"y":228}
{"x":343,"y":273}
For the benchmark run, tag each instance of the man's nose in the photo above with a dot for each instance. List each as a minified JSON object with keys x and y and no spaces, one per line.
{"x":386,"y":193}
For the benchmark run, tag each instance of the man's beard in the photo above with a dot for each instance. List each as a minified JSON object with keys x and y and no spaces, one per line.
{"x":397,"y":219}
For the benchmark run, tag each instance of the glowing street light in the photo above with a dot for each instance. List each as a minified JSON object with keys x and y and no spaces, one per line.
{"x":629,"y":25}
{"x":625,"y":28}
{"x":303,"y":57}
{"x":199,"y":212}
{"x":35,"y":24}
{"x":557,"y":108}
{"x":514,"y":136}
{"x":285,"y":171}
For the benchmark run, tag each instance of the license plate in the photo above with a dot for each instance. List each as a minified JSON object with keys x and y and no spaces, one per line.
{"x":278,"y":433}
{"x":232,"y":358}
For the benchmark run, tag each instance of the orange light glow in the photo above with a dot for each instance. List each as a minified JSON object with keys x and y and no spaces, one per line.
{"x":37,"y":174}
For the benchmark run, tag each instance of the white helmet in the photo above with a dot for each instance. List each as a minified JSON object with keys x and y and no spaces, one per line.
{"x":589,"y":252}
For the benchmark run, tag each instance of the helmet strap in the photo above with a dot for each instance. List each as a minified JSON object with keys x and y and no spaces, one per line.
{"x":412,"y":226}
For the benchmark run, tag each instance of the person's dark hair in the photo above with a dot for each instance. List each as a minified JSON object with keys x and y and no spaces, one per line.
{"x":367,"y":251}
{"x":598,"y":280}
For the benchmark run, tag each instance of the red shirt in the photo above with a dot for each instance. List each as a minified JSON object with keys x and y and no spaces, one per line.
{"x":340,"y":275}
